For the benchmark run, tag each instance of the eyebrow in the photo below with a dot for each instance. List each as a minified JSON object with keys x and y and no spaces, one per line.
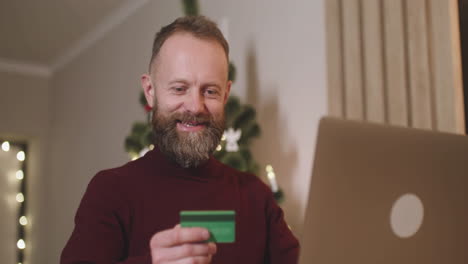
{"x":179,"y":80}
{"x":184,"y":81}
{"x":212,"y":84}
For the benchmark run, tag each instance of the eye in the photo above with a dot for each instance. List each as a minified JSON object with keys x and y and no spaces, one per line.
{"x":212,"y":92}
{"x":179,"y":89}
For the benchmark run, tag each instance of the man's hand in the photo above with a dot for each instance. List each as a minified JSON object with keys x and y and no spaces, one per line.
{"x":181,"y":245}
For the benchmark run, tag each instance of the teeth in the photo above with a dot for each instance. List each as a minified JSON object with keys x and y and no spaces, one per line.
{"x":190,"y":124}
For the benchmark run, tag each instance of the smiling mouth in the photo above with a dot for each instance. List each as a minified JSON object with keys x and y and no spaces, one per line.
{"x":190,"y":126}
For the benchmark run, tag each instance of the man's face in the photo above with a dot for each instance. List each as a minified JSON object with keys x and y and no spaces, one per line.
{"x":190,"y":88}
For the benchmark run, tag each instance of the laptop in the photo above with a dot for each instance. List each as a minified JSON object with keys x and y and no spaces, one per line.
{"x":386,"y":195}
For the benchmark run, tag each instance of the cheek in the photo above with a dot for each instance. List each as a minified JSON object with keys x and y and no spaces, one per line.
{"x":174,"y":107}
{"x":169,"y":105}
{"x":216,"y":109}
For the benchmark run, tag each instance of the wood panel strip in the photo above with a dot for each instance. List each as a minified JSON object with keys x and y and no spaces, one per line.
{"x":336,"y":102}
{"x":352,"y":60}
{"x":396,"y":81}
{"x":446,"y":61}
{"x":373,"y":60}
{"x":419,"y":68}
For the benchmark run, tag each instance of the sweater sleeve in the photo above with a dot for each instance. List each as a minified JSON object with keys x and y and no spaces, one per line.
{"x":99,"y":236}
{"x":283,"y":246}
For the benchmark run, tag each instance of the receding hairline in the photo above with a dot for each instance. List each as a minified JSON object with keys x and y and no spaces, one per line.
{"x":155,"y":59}
{"x":199,"y":26}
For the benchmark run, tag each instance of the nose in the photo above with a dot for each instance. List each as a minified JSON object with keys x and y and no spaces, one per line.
{"x":195,"y":103}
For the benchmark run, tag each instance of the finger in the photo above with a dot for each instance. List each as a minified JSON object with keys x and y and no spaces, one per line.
{"x":194,"y":260}
{"x":177,"y":236}
{"x":189,"y":250}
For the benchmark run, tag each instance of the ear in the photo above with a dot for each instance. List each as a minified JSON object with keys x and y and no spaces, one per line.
{"x":228,"y":90}
{"x":148,"y":89}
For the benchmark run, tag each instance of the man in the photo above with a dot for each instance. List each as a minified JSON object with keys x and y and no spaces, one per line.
{"x":130,"y":214}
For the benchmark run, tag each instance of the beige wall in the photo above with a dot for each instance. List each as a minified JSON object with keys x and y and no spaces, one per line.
{"x":24,"y":104}
{"x":279,"y":51}
{"x":25,"y":115}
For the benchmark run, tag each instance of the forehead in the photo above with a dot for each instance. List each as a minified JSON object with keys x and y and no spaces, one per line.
{"x":184,"y":52}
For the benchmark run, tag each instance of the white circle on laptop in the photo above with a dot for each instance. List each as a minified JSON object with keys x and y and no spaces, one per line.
{"x":407,"y":215}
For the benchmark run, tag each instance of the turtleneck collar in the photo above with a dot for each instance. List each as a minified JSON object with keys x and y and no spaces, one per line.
{"x":161,"y":163}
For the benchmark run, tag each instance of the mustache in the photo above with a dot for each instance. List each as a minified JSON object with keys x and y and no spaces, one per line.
{"x":191,"y":118}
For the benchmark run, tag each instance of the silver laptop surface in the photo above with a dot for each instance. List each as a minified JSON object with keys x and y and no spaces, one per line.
{"x":382,"y":194}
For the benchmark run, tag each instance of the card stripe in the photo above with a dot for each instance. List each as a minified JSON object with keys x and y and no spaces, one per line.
{"x":206,"y":218}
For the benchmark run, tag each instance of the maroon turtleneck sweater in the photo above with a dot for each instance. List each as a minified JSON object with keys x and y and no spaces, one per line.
{"x":124,"y":207}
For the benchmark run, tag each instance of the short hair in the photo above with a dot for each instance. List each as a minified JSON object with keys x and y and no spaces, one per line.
{"x":199,"y":26}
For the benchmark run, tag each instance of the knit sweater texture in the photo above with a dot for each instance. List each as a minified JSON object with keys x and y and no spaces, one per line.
{"x":124,"y":207}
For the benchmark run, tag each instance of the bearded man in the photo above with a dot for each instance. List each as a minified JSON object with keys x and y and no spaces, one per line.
{"x":130,"y":214}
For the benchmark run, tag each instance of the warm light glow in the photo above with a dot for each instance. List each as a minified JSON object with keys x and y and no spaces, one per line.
{"x":218,"y":148}
{"x":134,"y":158}
{"x":223,"y":138}
{"x":21,"y":156}
{"x":272,"y":178}
{"x":20,"y":198}
{"x":6,"y":146}
{"x":21,"y":244}
{"x":271,"y":175}
{"x":151,"y":147}
{"x":270,"y":172}
{"x":19,"y":175}
{"x":23,"y":220}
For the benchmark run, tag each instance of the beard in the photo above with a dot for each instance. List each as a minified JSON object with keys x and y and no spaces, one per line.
{"x":187,"y":149}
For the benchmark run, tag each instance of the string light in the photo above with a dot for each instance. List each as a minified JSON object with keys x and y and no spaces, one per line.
{"x":20,"y":197}
{"x":21,"y":156}
{"x":223,"y":138}
{"x":218,"y":148}
{"x":23,"y":220}
{"x":151,"y":147}
{"x":6,"y":146}
{"x":19,"y":175}
{"x":21,"y":244}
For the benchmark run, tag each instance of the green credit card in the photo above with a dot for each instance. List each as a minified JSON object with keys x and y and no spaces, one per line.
{"x":220,"y":224}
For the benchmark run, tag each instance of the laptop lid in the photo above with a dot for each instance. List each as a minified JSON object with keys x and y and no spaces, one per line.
{"x":382,"y":194}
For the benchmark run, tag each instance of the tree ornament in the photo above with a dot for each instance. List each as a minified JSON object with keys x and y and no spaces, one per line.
{"x":232,"y":137}
{"x":148,"y":108}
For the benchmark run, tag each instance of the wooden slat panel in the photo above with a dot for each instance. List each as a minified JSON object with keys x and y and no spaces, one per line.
{"x":395,"y":62}
{"x":419,"y":69}
{"x":446,"y":63}
{"x":460,"y":120}
{"x":352,"y":60}
{"x":373,"y":60}
{"x":334,"y":58}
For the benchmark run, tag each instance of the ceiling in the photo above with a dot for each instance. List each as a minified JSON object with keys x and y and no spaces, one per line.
{"x":47,"y":33}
